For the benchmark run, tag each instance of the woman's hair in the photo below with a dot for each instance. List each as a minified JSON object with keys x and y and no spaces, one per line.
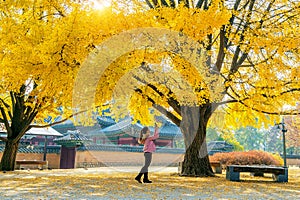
{"x":141,"y":139}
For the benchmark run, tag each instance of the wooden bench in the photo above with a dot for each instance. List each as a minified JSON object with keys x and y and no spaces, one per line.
{"x":39,"y":163}
{"x":280,"y":174}
{"x":216,"y":167}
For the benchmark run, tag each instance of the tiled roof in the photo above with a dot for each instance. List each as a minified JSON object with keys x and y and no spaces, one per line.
{"x":127,"y":148}
{"x":110,"y":127}
{"x":105,"y":147}
{"x":72,"y":136}
{"x":168,"y":130}
{"x":105,"y":121}
{"x":35,"y":149}
{"x":219,"y":146}
{"x":56,"y":149}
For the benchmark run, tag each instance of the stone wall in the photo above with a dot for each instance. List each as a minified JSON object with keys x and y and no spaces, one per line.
{"x":52,"y":158}
{"x":293,"y":162}
{"x":104,"y":158}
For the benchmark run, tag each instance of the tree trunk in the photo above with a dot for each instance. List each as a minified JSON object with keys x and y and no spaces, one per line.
{"x":193,"y":126}
{"x":196,"y":161}
{"x":9,"y":156}
{"x":17,"y":123}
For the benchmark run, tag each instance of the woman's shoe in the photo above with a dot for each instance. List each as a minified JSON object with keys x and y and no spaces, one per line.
{"x":146,"y":179}
{"x":138,"y":177}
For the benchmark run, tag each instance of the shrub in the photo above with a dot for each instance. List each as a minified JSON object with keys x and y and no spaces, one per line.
{"x":246,"y":158}
{"x":278,"y":158}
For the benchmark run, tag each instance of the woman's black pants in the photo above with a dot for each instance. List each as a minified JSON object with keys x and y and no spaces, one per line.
{"x":148,"y":159}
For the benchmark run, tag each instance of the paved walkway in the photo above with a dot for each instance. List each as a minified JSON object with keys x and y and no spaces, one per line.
{"x":82,"y":171}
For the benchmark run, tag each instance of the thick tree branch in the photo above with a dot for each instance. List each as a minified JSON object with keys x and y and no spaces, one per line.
{"x":171,"y":101}
{"x":164,"y":3}
{"x":6,"y":122}
{"x":149,"y":4}
{"x":199,"y":3}
{"x":221,"y":53}
{"x":169,"y":115}
{"x":264,"y":111}
{"x":262,"y":20}
{"x":26,"y":125}
{"x":172,"y":3}
{"x":13,"y":100}
{"x":282,"y":93}
{"x":4,"y":103}
{"x":7,"y":108}
{"x":236,"y":61}
{"x":227,"y":102}
{"x":161,"y":109}
{"x":271,"y":112}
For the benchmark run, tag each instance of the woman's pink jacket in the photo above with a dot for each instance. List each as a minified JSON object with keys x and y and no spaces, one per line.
{"x":149,"y":145}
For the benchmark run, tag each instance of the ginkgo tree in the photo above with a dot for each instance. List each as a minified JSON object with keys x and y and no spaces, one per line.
{"x":243,"y":57}
{"x":183,"y":59}
{"x":257,"y":54}
{"x":42,"y":44}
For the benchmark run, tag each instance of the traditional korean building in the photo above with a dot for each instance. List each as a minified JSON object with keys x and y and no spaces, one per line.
{"x":125,"y":132}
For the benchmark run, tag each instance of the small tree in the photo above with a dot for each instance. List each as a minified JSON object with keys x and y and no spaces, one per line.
{"x":293,"y":134}
{"x":251,"y":138}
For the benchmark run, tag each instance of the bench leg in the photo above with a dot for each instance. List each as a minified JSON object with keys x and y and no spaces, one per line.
{"x":231,"y":175}
{"x":217,"y":170}
{"x":43,"y":166}
{"x":282,"y":178}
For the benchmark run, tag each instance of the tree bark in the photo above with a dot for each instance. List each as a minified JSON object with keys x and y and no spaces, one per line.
{"x":193,"y":126}
{"x":9,"y":155}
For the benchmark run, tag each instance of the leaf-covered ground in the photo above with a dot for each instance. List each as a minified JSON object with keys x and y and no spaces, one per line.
{"x":108,"y":183}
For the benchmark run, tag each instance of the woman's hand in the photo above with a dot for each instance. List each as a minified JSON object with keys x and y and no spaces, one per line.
{"x":156,"y":127}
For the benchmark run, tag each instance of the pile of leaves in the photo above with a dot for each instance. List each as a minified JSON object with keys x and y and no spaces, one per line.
{"x":253,"y":157}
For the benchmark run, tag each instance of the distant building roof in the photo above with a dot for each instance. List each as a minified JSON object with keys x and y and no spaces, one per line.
{"x":125,"y":126}
{"x":105,"y":121}
{"x":121,"y":127}
{"x":38,"y":131}
{"x":35,"y":149}
{"x":109,"y":127}
{"x":64,"y":126}
{"x":169,"y":130}
{"x":72,"y":138}
{"x":219,"y":146}
{"x":43,"y":132}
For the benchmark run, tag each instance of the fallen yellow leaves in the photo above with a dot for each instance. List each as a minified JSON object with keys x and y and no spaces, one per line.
{"x":100,"y":184}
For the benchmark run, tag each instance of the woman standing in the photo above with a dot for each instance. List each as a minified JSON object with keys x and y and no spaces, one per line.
{"x":149,"y":147}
